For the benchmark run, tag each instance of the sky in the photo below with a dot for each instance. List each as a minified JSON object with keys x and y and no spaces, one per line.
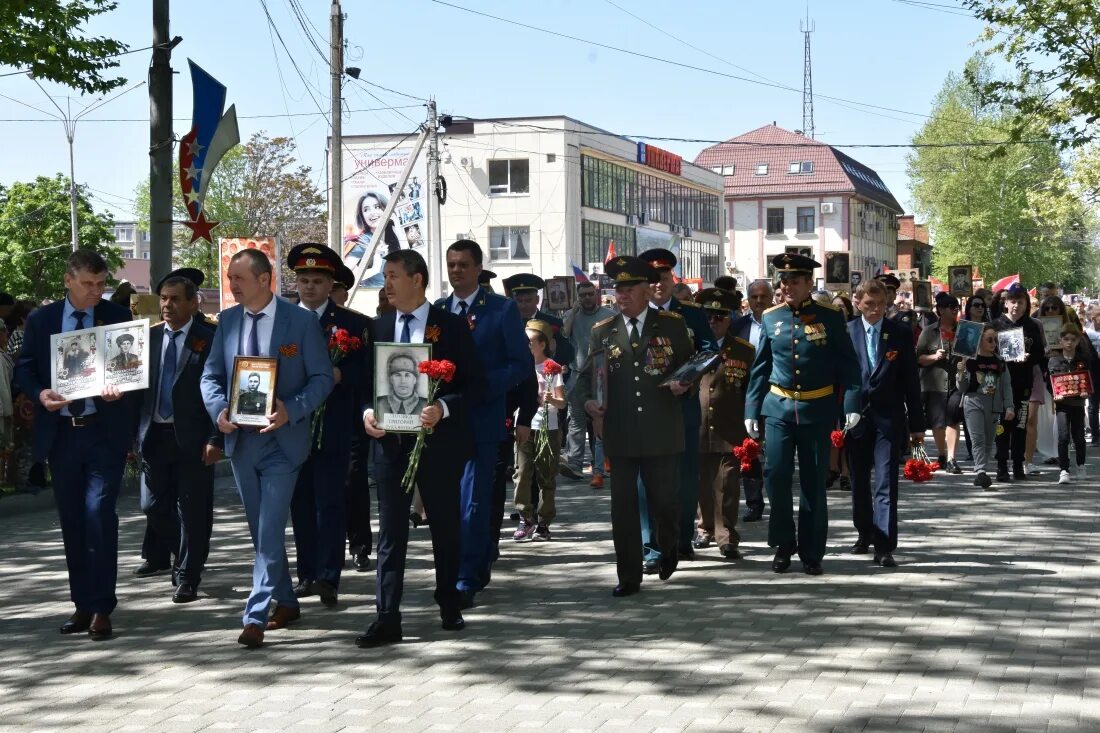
{"x":893,"y":54}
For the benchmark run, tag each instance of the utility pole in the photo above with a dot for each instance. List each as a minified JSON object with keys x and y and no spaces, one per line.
{"x":336,"y":144}
{"x":435,"y":237}
{"x":160,"y":147}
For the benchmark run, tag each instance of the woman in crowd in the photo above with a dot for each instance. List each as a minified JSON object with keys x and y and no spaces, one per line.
{"x":976,"y":310}
{"x":938,"y":379}
{"x":841,"y":301}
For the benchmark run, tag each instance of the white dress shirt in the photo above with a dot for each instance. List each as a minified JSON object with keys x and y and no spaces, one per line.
{"x":416,"y":326}
{"x":266,"y":326}
{"x":456,"y":305}
{"x":180,"y":341}
{"x":756,"y":331}
{"x":319,"y":311}
{"x":641,"y":321}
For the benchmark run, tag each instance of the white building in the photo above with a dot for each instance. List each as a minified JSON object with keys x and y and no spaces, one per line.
{"x":543,"y":193}
{"x":788,"y":193}
{"x":133,"y":244}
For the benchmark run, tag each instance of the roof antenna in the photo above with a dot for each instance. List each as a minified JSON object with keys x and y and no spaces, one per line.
{"x":807,"y":78}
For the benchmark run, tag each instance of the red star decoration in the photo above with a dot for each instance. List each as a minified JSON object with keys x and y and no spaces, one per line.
{"x":200,"y":228}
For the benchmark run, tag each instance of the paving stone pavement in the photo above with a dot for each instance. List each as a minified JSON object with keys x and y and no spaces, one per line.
{"x":989,"y":624}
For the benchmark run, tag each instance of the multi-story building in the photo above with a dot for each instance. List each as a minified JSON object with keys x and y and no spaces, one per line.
{"x":541,"y":194}
{"x":914,"y":250}
{"x":133,"y":244}
{"x":787,"y":193}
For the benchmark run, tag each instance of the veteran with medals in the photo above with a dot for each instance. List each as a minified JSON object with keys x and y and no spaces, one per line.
{"x":643,"y":345}
{"x":805,"y":357}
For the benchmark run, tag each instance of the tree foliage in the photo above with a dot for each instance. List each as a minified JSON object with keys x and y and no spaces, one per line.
{"x":1054,"y":46}
{"x":1014,"y":211}
{"x":45,"y":36}
{"x":35,"y":236}
{"x":257,"y":190}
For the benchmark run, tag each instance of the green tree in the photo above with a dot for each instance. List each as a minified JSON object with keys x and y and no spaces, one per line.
{"x":257,"y":190}
{"x":1006,"y":212}
{"x":35,"y":236}
{"x":45,"y":36}
{"x":1054,"y":46}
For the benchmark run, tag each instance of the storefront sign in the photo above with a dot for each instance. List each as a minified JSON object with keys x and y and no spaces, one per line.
{"x":662,"y":160}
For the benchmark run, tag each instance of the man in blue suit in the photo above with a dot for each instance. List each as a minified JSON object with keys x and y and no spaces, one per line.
{"x":266,"y":461}
{"x":85,"y":441}
{"x":505,"y":355}
{"x":888,"y":368}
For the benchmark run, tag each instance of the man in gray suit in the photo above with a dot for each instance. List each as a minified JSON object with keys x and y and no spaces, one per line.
{"x":266,"y":461}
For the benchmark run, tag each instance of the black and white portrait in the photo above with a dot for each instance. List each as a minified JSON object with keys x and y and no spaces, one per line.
{"x":401,"y":391}
{"x":253,"y":390}
{"x":967,"y":336}
{"x":856,"y":279}
{"x":922,"y":295}
{"x":558,"y":293}
{"x":836,"y":268}
{"x":77,"y":370}
{"x":1011,"y":346}
{"x":959,"y":279}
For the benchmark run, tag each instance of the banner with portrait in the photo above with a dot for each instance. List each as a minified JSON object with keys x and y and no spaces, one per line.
{"x":86,"y":361}
{"x":231,"y":246}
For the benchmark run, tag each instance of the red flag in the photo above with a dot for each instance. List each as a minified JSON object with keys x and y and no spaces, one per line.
{"x":1004,"y":282}
{"x":610,"y":252}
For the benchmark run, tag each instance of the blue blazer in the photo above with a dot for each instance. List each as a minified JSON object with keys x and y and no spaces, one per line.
{"x":303,"y":382}
{"x":891,"y":391}
{"x":505,"y":357}
{"x":32,"y":375}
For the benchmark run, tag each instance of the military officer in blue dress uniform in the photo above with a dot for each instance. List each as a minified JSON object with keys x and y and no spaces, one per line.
{"x":524,"y":289}
{"x":805,"y":357}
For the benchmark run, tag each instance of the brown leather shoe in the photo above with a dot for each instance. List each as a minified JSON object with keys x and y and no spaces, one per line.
{"x":100,"y":627}
{"x":252,"y":636}
{"x":78,"y":622}
{"x":596,"y":482}
{"x":283,"y":615}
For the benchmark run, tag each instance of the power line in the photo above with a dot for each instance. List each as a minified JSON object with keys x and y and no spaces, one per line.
{"x":97,"y":58}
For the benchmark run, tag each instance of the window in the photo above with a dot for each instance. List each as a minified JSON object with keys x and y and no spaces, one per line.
{"x":597,"y":237}
{"x":509,"y":243}
{"x":724,"y":170}
{"x":801,"y":166}
{"x":509,"y":176}
{"x":611,"y":187}
{"x":775,"y":221}
{"x":761,"y":169}
{"x":805,"y":220}
{"x":807,"y":166}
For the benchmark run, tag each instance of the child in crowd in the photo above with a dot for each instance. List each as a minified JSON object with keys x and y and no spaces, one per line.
{"x":987,"y":395}
{"x":529,"y":462}
{"x":1069,"y":410}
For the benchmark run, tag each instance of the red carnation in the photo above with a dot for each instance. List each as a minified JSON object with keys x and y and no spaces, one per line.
{"x":837,"y":438}
{"x":551,"y":368}
{"x":747,"y":452}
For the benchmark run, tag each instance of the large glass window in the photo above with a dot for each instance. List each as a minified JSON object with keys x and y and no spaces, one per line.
{"x":597,"y":236}
{"x":509,"y":243}
{"x":700,"y":259}
{"x":509,"y":176}
{"x":775,"y":221}
{"x":611,"y":187}
{"x":805,"y":220}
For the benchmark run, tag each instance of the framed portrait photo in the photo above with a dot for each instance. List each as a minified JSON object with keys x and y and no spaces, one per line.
{"x":559,"y":293}
{"x":855,"y":279}
{"x":958,"y":280}
{"x":1052,"y":330}
{"x":400,"y":390}
{"x":253,"y":390}
{"x":967,"y":336}
{"x":77,"y":364}
{"x":922,"y":295}
{"x":1011,"y":345}
{"x":599,"y":377}
{"x":837,"y":271}
{"x":126,"y":355}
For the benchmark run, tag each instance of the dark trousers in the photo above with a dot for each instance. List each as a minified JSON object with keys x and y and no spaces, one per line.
{"x":874,"y":508}
{"x":357,"y":497}
{"x":811,"y":441}
{"x":719,"y":497}
{"x":752,"y":485}
{"x":504,"y":468}
{"x":660,"y":476}
{"x":318,"y":516}
{"x":180,"y":506}
{"x":1071,"y":427}
{"x":438,"y":480}
{"x":1014,"y":438}
{"x":87,"y":470}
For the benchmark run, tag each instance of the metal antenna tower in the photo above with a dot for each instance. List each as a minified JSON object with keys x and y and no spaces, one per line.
{"x":807,"y":28}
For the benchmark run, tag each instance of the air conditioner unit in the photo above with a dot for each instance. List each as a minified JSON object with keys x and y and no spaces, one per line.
{"x":466,"y":162}
{"x":828,"y":207}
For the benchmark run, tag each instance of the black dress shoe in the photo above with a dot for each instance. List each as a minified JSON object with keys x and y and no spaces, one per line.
{"x":452,"y":620}
{"x":100,"y":626}
{"x":650,"y":567}
{"x":185,"y":593}
{"x":622,"y":590}
{"x":701,"y":542}
{"x":379,"y":633}
{"x":1002,"y":473}
{"x":466,"y":599}
{"x":327,"y":592}
{"x":982,"y":480}
{"x":77,"y":623}
{"x":666,"y":566}
{"x":753,"y":515}
{"x":782,"y":560}
{"x":362,"y":561}
{"x":885,"y":559}
{"x":304,"y":589}
{"x":861,"y":547}
{"x":417,"y":520}
{"x":953,"y":467}
{"x":730,"y":552}
{"x":147,"y":569}
{"x":686,"y":553}
{"x":812,"y":568}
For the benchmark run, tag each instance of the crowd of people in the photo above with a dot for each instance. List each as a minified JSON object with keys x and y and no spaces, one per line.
{"x":672,"y":400}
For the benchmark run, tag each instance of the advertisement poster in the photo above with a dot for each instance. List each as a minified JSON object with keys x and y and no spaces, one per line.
{"x":372,"y":172}
{"x":229,"y":247}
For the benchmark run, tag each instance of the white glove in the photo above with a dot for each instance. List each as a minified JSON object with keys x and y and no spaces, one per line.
{"x":752,"y":428}
{"x":851,"y":420}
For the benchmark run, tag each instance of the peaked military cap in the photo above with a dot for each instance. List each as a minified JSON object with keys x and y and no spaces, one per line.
{"x":631,"y":270}
{"x":718,"y":300}
{"x":889,"y":280}
{"x":658,"y":258}
{"x":344,"y":276}
{"x":187,"y":273}
{"x":792,"y":262}
{"x":485,"y":277}
{"x":524,"y":282}
{"x":313,"y":256}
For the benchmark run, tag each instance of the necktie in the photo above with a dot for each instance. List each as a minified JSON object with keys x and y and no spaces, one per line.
{"x":254,"y":335}
{"x":872,"y":347}
{"x":168,"y":375}
{"x":76,"y":408}
{"x":634,"y":335}
{"x":462,"y":308}
{"x":406,"y":333}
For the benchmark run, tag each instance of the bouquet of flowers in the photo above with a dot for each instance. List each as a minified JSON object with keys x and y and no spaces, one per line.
{"x":340,"y":344}
{"x":550,"y":369}
{"x":747,"y":452}
{"x":837,"y":438}
{"x":918,"y":469}
{"x":439,"y":371}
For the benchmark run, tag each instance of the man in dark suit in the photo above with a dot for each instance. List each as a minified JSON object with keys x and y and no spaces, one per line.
{"x":445,"y":454}
{"x":750,"y":327}
{"x":317,"y":510}
{"x":888,"y":369}
{"x":503,"y":349}
{"x":85,"y":441}
{"x":179,"y":443}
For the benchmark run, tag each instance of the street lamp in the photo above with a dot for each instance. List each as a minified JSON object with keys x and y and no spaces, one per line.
{"x":1001,"y":201}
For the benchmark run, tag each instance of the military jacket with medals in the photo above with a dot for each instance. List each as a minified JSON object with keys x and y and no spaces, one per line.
{"x":642,"y":418}
{"x":702,"y":340}
{"x":722,"y":397}
{"x":806,"y":359}
{"x":355,"y":387}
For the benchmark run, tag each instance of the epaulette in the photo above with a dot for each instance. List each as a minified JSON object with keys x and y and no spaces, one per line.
{"x":690,"y":303}
{"x":604,"y":322}
{"x":740,"y":340}
{"x":830,"y":306}
{"x":775,"y":307}
{"x":670,"y":314}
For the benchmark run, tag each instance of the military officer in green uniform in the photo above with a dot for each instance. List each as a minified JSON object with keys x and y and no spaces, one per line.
{"x":664,"y":261}
{"x":805,"y":357}
{"x":251,"y":400}
{"x":722,"y":402}
{"x":641,"y":345}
